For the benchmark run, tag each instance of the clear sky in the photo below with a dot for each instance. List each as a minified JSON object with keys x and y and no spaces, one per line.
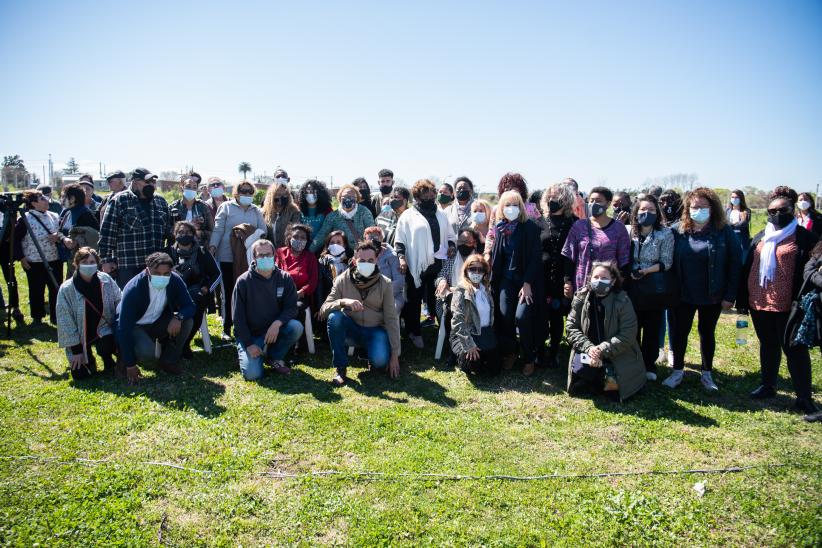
{"x":611,"y":92}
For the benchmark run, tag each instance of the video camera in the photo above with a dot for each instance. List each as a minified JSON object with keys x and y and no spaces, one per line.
{"x":10,"y":201}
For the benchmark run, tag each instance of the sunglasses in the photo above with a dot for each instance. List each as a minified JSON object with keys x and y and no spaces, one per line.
{"x":246,"y":192}
{"x":780,"y":210}
{"x":476,"y":271}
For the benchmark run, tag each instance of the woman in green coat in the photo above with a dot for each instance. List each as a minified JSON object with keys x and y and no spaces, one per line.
{"x":350,"y":217}
{"x":601,"y":329}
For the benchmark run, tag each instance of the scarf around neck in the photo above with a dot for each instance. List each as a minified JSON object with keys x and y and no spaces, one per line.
{"x":767,"y":257}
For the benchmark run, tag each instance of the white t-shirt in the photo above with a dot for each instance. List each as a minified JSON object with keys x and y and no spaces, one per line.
{"x":156,"y":305}
{"x":483,"y":306}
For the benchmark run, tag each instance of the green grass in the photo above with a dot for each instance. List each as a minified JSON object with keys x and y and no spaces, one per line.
{"x":431,"y":420}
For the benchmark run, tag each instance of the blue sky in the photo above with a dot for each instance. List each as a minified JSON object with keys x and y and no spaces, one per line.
{"x":612,"y":92}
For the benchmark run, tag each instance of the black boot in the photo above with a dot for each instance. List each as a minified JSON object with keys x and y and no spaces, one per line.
{"x":806,"y":405}
{"x":763,"y":392}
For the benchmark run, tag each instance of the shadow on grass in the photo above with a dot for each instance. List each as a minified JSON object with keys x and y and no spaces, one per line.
{"x":300,"y":382}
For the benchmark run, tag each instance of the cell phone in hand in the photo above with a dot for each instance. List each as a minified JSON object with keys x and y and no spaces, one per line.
{"x":585,"y":358}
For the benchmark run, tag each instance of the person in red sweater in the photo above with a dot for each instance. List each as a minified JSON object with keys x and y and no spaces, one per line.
{"x":295,"y":259}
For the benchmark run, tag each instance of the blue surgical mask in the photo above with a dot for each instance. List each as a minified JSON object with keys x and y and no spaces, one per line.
{"x":265,"y":263}
{"x":216,"y":192}
{"x":87,"y":270}
{"x":311,"y":198}
{"x":246,"y":200}
{"x":160,"y":282}
{"x":189,"y":194}
{"x":735,"y":201}
{"x":700,"y":215}
{"x":601,"y":287}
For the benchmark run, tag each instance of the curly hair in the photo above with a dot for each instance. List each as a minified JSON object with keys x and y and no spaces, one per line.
{"x":784,"y":192}
{"x":349,"y":186}
{"x":563,"y":194}
{"x":717,"y":219}
{"x":421,"y":186}
{"x":301,"y":227}
{"x":323,"y":203}
{"x":268,"y":202}
{"x":513,"y":181}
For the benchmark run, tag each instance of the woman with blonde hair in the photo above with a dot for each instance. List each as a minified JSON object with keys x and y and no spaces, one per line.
{"x":557,"y":270}
{"x":473,"y":340}
{"x":480,"y":219}
{"x":517,"y":281}
{"x":350,"y":217}
{"x":279,"y":213}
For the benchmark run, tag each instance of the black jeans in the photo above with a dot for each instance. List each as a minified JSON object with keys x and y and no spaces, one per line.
{"x":39,"y":280}
{"x":683,"y":320}
{"x":105,"y":347}
{"x":512,"y":315}
{"x":554,"y":329}
{"x":415,"y":295}
{"x":9,"y":276}
{"x":647,"y":335}
{"x":124,"y":274}
{"x":770,"y":329}
{"x":490,"y":361}
{"x":227,"y":270}
{"x":201,"y":303}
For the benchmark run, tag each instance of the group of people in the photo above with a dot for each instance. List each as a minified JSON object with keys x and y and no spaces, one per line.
{"x":610,"y":274}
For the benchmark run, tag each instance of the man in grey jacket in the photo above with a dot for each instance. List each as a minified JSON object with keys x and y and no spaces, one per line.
{"x":263,"y":306}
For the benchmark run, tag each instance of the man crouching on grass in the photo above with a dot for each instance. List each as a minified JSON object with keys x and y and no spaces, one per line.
{"x":263,"y":307}
{"x":360,"y":312}
{"x":155,"y":307}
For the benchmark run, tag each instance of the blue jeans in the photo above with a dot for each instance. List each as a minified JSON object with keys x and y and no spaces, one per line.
{"x":344,"y":332}
{"x":252,"y":368}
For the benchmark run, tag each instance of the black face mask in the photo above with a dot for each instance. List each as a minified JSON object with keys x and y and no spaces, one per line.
{"x":148,"y":191}
{"x":554,"y":206}
{"x":597,"y":209}
{"x":466,"y":249}
{"x":428,"y":203}
{"x":386,"y":189}
{"x":397,"y":203}
{"x":463,"y":195}
{"x":646,"y":218}
{"x":780,"y":220}
{"x":184,"y":239}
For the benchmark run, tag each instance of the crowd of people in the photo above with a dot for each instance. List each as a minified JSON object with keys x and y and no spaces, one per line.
{"x":611,"y":274}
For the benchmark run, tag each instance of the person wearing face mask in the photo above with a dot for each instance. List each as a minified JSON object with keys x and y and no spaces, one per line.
{"x":265,"y":311}
{"x":651,"y":291}
{"x":449,"y":277}
{"x":772,"y":279}
{"x":388,"y":217}
{"x":239,"y":212}
{"x":136,"y":224}
{"x":199,"y":271}
{"x":86,"y":311}
{"x":459,"y":212}
{"x":360,"y":310}
{"x":707,"y":262}
{"x":350,"y":217}
{"x":597,"y":238}
{"x":739,"y":218}
{"x":54,"y":205}
{"x":421,"y":241}
{"x":216,"y":192}
{"x":807,"y":215}
{"x":670,"y":203}
{"x":333,"y":261}
{"x":557,"y":270}
{"x":388,"y":264}
{"x":78,"y":222}
{"x":601,"y":330}
{"x":445,"y":195}
{"x":473,"y":340}
{"x":480,"y":220}
{"x":365,"y":199}
{"x":191,"y":209}
{"x":622,"y":207}
{"x":509,"y":181}
{"x":314,"y":203}
{"x":279,"y":213}
{"x":386,"y":185}
{"x":155,"y":307}
{"x":517,"y":283}
{"x":298,"y":262}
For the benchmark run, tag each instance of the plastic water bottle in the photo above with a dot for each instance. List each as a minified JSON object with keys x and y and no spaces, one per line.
{"x":741,"y":330}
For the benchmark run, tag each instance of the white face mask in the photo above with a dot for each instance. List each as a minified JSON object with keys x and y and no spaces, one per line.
{"x":475,"y":277}
{"x":311,"y":198}
{"x":336,"y":249}
{"x":281,"y":180}
{"x":511,"y":212}
{"x":366,"y":269}
{"x":189,"y":194}
{"x":804,"y":205}
{"x":478,"y":217}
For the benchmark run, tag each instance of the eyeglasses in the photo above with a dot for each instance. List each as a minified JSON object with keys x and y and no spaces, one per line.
{"x":476,"y":271}
{"x":246,"y":192}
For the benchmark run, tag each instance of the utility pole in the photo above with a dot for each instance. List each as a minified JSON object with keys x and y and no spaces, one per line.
{"x":51,"y":171}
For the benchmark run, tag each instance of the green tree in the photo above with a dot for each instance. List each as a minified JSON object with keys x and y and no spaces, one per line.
{"x":72,"y":167}
{"x":244,"y":168}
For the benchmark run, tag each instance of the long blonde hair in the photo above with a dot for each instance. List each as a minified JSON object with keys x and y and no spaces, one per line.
{"x":507,"y":195}
{"x":472,"y":260}
{"x":268,"y":203}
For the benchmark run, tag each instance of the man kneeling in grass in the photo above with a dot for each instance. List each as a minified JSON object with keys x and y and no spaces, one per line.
{"x":155,"y":307}
{"x":263,"y":306}
{"x":360,"y":312}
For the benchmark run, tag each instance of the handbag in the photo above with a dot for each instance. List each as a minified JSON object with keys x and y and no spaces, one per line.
{"x":654,"y":291}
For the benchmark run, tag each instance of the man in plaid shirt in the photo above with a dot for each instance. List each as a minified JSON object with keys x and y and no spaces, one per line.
{"x":135,"y":224}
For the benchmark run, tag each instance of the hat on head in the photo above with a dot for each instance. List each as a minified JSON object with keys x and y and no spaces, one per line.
{"x":115,"y":175}
{"x":86,"y":179}
{"x":44,"y":188}
{"x":142,"y":174}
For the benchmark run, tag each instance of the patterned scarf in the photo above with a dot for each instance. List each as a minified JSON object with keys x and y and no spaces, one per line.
{"x":506,"y":228}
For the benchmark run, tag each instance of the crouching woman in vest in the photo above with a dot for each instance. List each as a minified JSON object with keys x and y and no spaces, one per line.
{"x":601,"y":329}
{"x":472,"y":321}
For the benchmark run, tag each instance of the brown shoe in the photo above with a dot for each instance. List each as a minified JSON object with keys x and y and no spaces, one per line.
{"x":610,"y":384}
{"x":508,"y":362}
{"x":528,"y":369}
{"x":171,"y":368}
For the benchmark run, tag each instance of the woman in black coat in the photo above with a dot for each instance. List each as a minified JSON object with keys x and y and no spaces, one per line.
{"x":517,"y":281}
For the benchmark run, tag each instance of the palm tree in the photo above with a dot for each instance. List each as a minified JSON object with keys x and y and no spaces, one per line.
{"x":244,"y":168}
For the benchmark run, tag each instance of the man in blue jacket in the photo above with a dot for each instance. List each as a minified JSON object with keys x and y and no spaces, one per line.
{"x":155,"y":307}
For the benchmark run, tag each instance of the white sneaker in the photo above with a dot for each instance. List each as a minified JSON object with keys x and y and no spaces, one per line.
{"x":662,"y":357}
{"x":674,"y":379}
{"x":670,"y":357}
{"x":651,"y":376}
{"x":708,"y":382}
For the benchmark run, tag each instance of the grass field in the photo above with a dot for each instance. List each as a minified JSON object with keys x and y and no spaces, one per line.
{"x":79,"y":462}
